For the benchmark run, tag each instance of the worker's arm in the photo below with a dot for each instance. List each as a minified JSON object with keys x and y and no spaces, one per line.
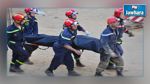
{"x":72,"y":49}
{"x":80,"y":28}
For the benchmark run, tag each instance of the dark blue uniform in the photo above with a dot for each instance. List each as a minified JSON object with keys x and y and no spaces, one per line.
{"x":108,"y":40}
{"x":31,"y":29}
{"x":63,"y":55}
{"x":119,"y":41}
{"x":121,"y":31}
{"x":15,"y":43}
{"x":77,"y":57}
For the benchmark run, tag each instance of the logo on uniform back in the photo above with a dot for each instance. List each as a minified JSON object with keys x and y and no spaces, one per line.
{"x":135,"y":10}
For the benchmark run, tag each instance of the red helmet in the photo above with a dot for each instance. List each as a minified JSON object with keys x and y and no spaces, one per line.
{"x":69,"y":13}
{"x":18,"y":17}
{"x":28,"y":10}
{"x":118,"y":12}
{"x":31,"y":10}
{"x":111,"y":20}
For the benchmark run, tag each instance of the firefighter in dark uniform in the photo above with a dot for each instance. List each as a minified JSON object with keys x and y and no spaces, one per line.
{"x":108,"y":40}
{"x":15,"y":43}
{"x":31,"y":28}
{"x":63,"y":49}
{"x":118,"y":13}
{"x":72,"y":14}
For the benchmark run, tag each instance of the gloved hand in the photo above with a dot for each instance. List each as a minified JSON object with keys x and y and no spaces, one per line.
{"x":131,"y":34}
{"x":119,"y":41}
{"x":78,"y":52}
{"x":87,"y":33}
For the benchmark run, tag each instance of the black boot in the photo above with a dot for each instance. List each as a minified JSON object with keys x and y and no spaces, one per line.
{"x":49,"y":73}
{"x":15,"y":69}
{"x":79,"y":64}
{"x":98,"y":74}
{"x":119,"y":73}
{"x":29,"y":62}
{"x":73,"y":73}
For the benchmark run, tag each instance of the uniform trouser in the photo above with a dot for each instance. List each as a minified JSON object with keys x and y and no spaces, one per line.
{"x":19,"y":55}
{"x":120,"y":50}
{"x":62,"y":56}
{"x":105,"y":59}
{"x":30,"y":48}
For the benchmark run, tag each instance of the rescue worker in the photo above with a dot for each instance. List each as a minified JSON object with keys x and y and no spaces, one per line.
{"x":15,"y":43}
{"x":109,"y":48}
{"x":72,"y":14}
{"x":118,"y":13}
{"x":63,"y":49}
{"x":31,"y":28}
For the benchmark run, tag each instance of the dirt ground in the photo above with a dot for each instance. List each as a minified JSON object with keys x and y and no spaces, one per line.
{"x":93,"y":20}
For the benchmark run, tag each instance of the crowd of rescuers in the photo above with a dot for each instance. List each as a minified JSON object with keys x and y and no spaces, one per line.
{"x":110,"y":38}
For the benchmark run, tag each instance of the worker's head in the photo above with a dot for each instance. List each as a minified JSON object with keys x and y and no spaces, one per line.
{"x":119,"y":13}
{"x":112,"y":22}
{"x":71,"y":14}
{"x":70,"y":23}
{"x":31,"y":11}
{"x":18,"y":18}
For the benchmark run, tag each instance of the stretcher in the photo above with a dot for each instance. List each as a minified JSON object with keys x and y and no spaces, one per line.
{"x":80,"y":42}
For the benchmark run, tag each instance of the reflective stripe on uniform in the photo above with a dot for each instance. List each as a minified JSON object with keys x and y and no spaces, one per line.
{"x":107,"y":34}
{"x":19,"y":62}
{"x":118,"y":42}
{"x":111,"y":62}
{"x":13,"y":31}
{"x":12,"y":42}
{"x":72,"y":37}
{"x":12,"y":63}
{"x":35,"y":20}
{"x":66,"y":37}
